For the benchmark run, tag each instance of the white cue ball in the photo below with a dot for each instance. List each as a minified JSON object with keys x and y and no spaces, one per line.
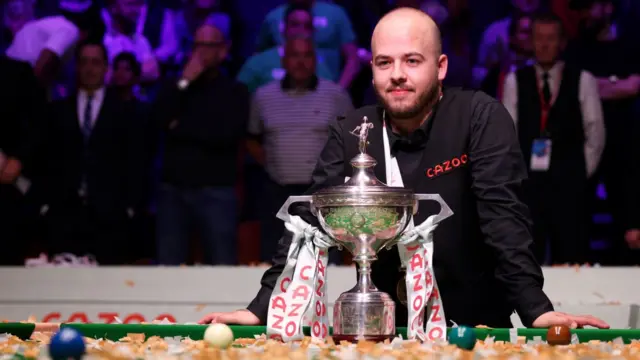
{"x":218,"y":335}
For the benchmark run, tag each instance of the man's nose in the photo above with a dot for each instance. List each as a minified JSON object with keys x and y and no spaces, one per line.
{"x":398,"y":74}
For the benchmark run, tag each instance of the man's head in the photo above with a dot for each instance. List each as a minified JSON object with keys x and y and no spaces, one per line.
{"x":210,"y":44}
{"x":520,"y":35}
{"x":298,"y":22}
{"x":548,"y":38}
{"x":408,"y":64}
{"x":126,"y":70}
{"x":299,"y":59}
{"x":91,"y":65}
{"x":526,"y":6}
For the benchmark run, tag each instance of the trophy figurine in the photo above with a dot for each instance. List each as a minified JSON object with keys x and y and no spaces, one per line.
{"x":363,"y":216}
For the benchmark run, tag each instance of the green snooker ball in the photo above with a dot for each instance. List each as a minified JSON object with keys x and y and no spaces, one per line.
{"x":463,"y":337}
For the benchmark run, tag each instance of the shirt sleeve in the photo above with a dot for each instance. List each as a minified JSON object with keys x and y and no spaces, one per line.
{"x":344,"y":103}
{"x":329,"y":171}
{"x":498,"y":172}
{"x":593,"y":121}
{"x":63,"y":34}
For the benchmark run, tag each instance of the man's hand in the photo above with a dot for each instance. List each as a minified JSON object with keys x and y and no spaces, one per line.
{"x":633,"y":238}
{"x":238,"y":317}
{"x":194,"y":67}
{"x":553,"y":318}
{"x":10,"y":170}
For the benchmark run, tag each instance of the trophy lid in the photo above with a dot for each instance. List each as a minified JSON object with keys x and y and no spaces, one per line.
{"x":363,"y":188}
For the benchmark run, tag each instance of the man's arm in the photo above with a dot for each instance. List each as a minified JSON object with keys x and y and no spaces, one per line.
{"x":329,"y":171}
{"x":620,"y":89}
{"x":498,"y":171}
{"x":169,"y":38}
{"x":593,"y":121}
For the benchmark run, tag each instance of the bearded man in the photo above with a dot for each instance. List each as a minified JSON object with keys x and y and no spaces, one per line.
{"x":459,"y":144}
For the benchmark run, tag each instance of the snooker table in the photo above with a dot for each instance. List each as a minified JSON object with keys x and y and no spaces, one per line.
{"x":105,"y":340}
{"x":196,"y":332}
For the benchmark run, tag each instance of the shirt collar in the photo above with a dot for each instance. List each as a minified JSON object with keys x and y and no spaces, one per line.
{"x":286,"y":83}
{"x":98,"y":95}
{"x":554,"y":72}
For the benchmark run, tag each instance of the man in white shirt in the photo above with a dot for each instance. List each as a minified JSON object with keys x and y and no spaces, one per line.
{"x":495,"y":39}
{"x":43,"y":43}
{"x":558,"y":114}
{"x":122,"y":35}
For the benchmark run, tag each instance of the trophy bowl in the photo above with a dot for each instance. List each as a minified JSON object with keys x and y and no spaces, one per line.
{"x":363,"y":216}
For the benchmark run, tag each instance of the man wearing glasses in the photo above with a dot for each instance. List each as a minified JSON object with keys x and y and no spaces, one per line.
{"x":203,"y":118}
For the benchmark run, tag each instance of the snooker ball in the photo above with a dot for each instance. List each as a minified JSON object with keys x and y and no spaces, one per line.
{"x":463,"y":337}
{"x":66,"y":343}
{"x":218,"y":335}
{"x":559,"y":335}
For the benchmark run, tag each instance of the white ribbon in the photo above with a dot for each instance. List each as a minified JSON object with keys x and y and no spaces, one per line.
{"x":416,"y":253}
{"x":302,"y":282}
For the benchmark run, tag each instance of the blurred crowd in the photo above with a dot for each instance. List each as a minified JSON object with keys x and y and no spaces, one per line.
{"x":172,"y":131}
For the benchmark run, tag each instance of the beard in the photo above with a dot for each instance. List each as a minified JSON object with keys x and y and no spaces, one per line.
{"x":415,"y":108}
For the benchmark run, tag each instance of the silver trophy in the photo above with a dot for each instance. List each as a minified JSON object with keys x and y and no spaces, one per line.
{"x":365,"y":215}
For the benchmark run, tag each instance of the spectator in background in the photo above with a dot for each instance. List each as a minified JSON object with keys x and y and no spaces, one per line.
{"x":289,"y":126}
{"x":21,"y":128}
{"x":122,"y":35}
{"x":126,"y":76}
{"x":494,"y":45}
{"x":195,"y":14}
{"x":333,"y":37}
{"x":265,"y":67}
{"x":203,"y":117}
{"x":43,"y":43}
{"x":16,"y":14}
{"x":520,"y":55}
{"x":616,"y":65}
{"x":149,"y":20}
{"x":560,"y":125}
{"x":92,"y":182}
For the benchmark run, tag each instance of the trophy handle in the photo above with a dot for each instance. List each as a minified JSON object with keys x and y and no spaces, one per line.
{"x":445,"y":210}
{"x":283,"y":213}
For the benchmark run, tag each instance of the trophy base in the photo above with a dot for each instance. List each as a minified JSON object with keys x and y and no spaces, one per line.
{"x":368,"y":315}
{"x":356,"y":338}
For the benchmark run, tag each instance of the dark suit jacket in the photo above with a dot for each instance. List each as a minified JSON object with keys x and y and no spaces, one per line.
{"x":112,"y":159}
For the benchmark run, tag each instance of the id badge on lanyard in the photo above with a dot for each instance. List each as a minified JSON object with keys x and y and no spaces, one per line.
{"x":541,"y":146}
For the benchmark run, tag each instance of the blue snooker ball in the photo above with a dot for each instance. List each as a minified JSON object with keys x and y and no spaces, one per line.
{"x":463,"y":337}
{"x":66,"y":343}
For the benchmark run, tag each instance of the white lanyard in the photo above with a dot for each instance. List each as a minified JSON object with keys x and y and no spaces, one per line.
{"x":392,"y":170}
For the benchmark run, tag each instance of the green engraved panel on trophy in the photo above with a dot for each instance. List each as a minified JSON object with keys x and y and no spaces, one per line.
{"x":366,"y":220}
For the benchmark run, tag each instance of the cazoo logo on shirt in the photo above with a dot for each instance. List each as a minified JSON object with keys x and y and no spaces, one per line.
{"x":447,"y":166}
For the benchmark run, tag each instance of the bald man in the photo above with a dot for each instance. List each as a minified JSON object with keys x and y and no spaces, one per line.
{"x":203,"y":117}
{"x":459,"y":144}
